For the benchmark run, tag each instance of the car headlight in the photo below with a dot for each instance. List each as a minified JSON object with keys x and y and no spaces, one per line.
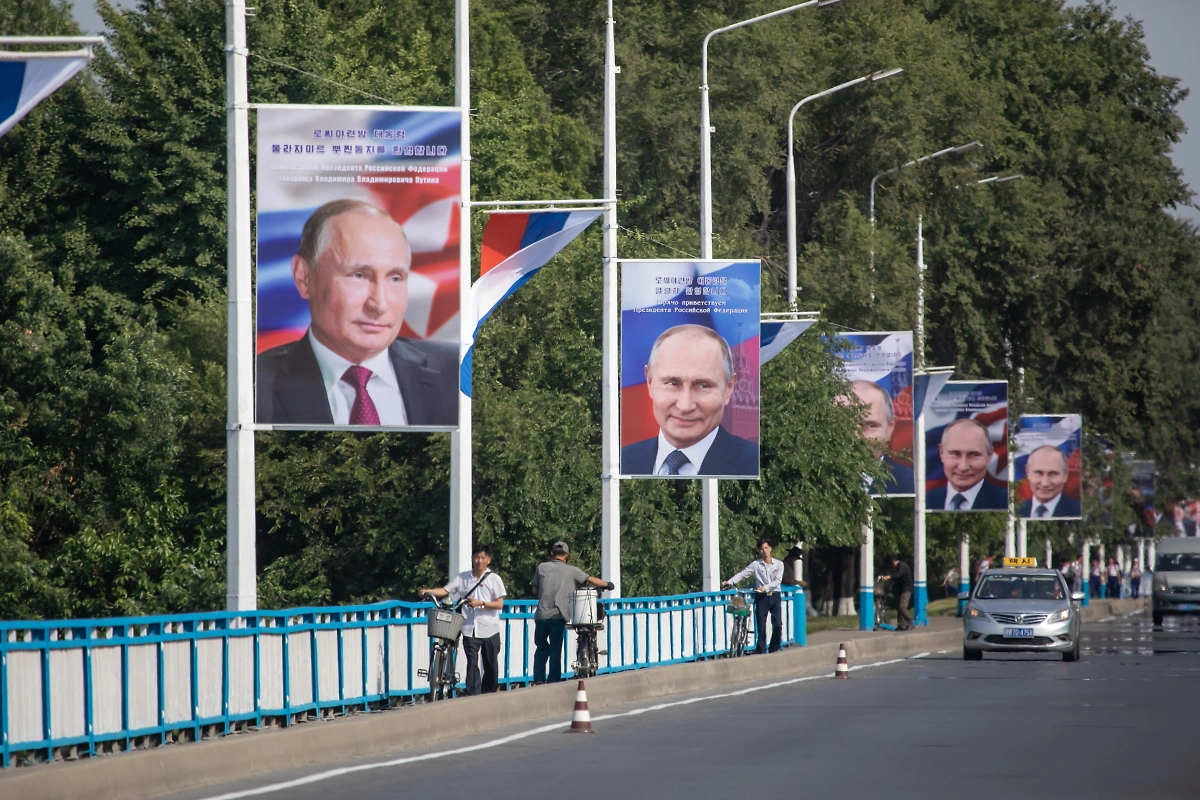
{"x":1059,"y":616}
{"x":1161,"y":587}
{"x":975,"y":613}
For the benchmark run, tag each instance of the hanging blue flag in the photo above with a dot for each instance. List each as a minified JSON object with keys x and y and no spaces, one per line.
{"x":27,"y":79}
{"x":774,"y":336}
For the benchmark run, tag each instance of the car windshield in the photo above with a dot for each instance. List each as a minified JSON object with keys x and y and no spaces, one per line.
{"x":1178,"y":562}
{"x":1020,"y":587}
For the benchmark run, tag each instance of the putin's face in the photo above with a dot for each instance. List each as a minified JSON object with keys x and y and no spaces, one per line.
{"x":875,"y":425}
{"x":965,"y":456}
{"x":688,"y":387}
{"x":358,"y":291}
{"x":1047,"y":477}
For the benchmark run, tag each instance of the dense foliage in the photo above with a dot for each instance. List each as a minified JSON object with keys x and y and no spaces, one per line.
{"x":112,"y":276}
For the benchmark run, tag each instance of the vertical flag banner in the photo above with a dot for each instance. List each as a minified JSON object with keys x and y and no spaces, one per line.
{"x":690,"y":368}
{"x":1048,"y":465}
{"x":1142,"y":475}
{"x":358,"y":266}
{"x":879,"y":367}
{"x":515,"y":247}
{"x":27,"y":79}
{"x":966,"y":447}
{"x":775,"y":336}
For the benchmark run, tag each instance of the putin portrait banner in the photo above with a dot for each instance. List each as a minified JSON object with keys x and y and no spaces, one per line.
{"x":1048,"y":466}
{"x":879,"y":367}
{"x":689,"y":369}
{"x":358,"y":267}
{"x":966,"y":448}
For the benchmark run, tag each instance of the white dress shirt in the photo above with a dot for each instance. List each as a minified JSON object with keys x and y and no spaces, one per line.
{"x":480,"y":622}
{"x":695,"y":454}
{"x":766,"y":576}
{"x":1050,"y":505}
{"x":382,"y":386}
{"x":970,"y":494}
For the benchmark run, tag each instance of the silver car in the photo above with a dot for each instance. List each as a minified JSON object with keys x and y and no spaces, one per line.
{"x":1021,"y":610}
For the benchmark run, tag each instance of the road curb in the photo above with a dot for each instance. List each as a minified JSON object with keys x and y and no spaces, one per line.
{"x":176,"y":768}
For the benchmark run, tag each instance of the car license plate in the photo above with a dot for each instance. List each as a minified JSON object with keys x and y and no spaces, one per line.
{"x":1018,"y":633}
{"x":1188,"y":606}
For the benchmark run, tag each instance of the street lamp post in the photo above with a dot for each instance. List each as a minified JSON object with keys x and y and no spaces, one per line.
{"x":710,"y":526}
{"x":791,"y":171}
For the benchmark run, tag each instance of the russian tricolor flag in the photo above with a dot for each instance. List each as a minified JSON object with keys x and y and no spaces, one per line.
{"x":775,"y":336}
{"x":27,"y":79}
{"x":515,"y":247}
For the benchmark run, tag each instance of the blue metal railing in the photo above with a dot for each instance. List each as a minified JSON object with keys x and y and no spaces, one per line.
{"x":86,"y":686}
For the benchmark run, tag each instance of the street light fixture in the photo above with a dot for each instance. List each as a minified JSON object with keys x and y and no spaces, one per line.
{"x":710,"y":522}
{"x":873,"y":77}
{"x":706,"y":231}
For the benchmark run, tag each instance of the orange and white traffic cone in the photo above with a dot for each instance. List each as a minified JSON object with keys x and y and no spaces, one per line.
{"x":843,"y":669}
{"x":581,"y":720}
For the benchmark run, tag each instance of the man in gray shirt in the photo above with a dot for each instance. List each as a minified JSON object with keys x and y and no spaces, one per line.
{"x":553,"y":582}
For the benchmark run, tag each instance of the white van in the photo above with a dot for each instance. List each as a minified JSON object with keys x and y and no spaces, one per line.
{"x":1176,"y":577}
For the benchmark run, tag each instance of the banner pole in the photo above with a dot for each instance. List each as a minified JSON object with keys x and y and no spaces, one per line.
{"x":920,"y":580}
{"x":710,"y":524}
{"x":460,"y":438}
{"x":866,"y":579}
{"x":964,"y":570}
{"x":610,"y":467}
{"x":240,"y":581}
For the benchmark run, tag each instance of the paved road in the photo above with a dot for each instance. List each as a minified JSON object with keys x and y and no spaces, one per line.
{"x":1009,"y":726}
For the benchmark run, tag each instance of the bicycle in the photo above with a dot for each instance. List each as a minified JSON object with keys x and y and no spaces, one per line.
{"x":445,"y":626}
{"x":587,"y":618}
{"x":739,"y":637}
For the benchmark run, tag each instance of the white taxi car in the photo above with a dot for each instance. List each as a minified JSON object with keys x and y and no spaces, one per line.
{"x":1021,"y":609}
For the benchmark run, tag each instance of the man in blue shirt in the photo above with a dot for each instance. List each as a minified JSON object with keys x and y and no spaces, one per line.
{"x":768,"y":575}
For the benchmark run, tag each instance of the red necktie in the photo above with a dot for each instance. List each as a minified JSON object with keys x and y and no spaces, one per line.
{"x":363,"y":411}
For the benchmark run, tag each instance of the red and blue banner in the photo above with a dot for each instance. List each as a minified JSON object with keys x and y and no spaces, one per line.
{"x":381,"y":186}
{"x":690,"y":358}
{"x":515,"y":247}
{"x":775,"y":336}
{"x":966,"y":447}
{"x":1047,"y":466}
{"x":27,"y":79}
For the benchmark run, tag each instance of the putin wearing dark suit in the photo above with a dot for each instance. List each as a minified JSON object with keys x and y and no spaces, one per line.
{"x":352,"y":367}
{"x":1047,"y":471}
{"x":965,"y":450}
{"x":690,"y":378}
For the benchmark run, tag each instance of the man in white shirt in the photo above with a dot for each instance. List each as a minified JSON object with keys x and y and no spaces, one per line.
{"x":690,"y":379}
{"x":768,"y":576}
{"x":352,"y":367}
{"x":484,"y":593}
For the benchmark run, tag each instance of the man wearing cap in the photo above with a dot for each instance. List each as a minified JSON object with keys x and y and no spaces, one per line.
{"x":553,"y":582}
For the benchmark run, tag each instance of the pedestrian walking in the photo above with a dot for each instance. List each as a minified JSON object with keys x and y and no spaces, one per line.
{"x":553,"y":582}
{"x":1114,"y":578}
{"x":950,"y":583}
{"x":482,"y":593}
{"x":768,"y":575}
{"x":902,"y":585}
{"x":1094,"y":579}
{"x":1135,"y":580}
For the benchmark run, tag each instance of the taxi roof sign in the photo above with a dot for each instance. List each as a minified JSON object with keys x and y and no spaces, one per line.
{"x":1020,"y":562}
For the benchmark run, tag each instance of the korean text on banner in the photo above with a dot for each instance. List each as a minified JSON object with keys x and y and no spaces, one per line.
{"x":879,"y":367}
{"x":1047,"y":466}
{"x":358,"y":266}
{"x":690,"y":369}
{"x":966,"y":448}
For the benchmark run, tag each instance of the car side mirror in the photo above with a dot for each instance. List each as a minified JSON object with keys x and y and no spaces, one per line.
{"x":964,"y":595}
{"x":1077,"y":597}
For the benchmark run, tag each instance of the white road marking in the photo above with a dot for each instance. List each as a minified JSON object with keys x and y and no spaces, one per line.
{"x":942,"y":652}
{"x":919,"y":655}
{"x":557,"y":726}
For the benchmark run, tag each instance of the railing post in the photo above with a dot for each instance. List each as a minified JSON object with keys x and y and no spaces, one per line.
{"x":48,"y":636}
{"x":286,"y":660}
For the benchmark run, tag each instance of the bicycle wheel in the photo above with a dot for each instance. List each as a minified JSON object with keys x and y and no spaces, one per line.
{"x":436,"y":665}
{"x":738,"y":638}
{"x":446,"y":682}
{"x":594,"y":654}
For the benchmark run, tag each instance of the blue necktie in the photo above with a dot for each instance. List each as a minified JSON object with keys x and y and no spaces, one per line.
{"x":1041,"y":510}
{"x":958,"y":501}
{"x":676,"y":460}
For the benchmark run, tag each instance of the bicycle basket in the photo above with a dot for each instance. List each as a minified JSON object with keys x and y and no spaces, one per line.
{"x":444,"y":624}
{"x":737,"y":606}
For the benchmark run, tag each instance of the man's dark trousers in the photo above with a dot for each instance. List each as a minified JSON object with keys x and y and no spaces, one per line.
{"x":548,"y":644}
{"x":762,"y":604}
{"x":904,"y":618}
{"x":490,"y":646}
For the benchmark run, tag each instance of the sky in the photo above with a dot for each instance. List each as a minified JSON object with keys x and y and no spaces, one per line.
{"x":1170,"y":28}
